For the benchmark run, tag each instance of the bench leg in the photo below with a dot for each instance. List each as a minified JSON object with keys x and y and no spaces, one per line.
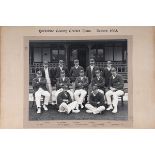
{"x":122,"y":102}
{"x":33,"y":104}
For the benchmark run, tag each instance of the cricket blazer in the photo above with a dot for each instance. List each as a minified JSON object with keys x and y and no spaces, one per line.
{"x":81,"y":83}
{"x":99,"y":83}
{"x":51,"y":74}
{"x":117,"y":82}
{"x":60,"y":82}
{"x":90,"y":74}
{"x":36,"y":84}
{"x":74,"y":73}
{"x":58,"y":71}
{"x":99,"y":97}
{"x":107,"y":75}
{"x":63,"y":96}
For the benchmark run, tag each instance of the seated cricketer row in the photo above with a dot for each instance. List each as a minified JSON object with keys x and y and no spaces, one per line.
{"x":95,"y":106}
{"x":114,"y":90}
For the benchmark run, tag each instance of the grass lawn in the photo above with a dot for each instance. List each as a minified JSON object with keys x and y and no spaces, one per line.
{"x":53,"y":114}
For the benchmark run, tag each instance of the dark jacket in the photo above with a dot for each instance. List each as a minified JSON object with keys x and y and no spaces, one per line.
{"x":36,"y":84}
{"x":100,"y":83}
{"x":90,"y":74}
{"x":58,"y":70}
{"x":81,"y":83}
{"x":63,"y":96}
{"x":60,"y":82}
{"x":99,"y":97}
{"x":51,"y":74}
{"x":74,"y":73}
{"x":117,"y":82}
{"x":106,"y":74}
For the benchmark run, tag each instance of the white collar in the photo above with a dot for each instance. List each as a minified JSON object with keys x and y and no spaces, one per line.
{"x":108,"y":68}
{"x":61,"y":66}
{"x":94,"y":94}
{"x":114,"y":76}
{"x":45,"y":68}
{"x":92,"y":66}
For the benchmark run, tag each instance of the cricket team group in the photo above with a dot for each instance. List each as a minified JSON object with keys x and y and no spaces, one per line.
{"x":95,"y":90}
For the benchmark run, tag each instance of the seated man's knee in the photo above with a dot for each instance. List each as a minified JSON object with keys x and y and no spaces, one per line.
{"x":56,"y":93}
{"x":84,"y":92}
{"x":119,"y":93}
{"x":102,"y":107}
{"x":101,"y":91}
{"x":87,"y":105}
{"x":70,"y":92}
{"x":76,"y":92}
{"x":47,"y":94}
{"x":37,"y":94}
{"x":108,"y":93}
{"x":75,"y":102}
{"x":115,"y":94}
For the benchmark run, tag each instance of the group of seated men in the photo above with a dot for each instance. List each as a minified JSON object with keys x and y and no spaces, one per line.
{"x":96,"y":89}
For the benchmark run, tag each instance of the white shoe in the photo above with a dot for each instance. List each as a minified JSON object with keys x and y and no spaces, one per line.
{"x":53,"y":103}
{"x":45,"y":107}
{"x":99,"y":110}
{"x":115,"y":110}
{"x":82,"y":106}
{"x":109,"y":108}
{"x":89,"y":111}
{"x":67,"y":109}
{"x":96,"y":112}
{"x":60,"y":111}
{"x":76,"y":111}
{"x":39,"y":110}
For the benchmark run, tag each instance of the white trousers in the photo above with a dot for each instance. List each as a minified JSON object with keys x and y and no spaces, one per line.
{"x":101,"y":91}
{"x":60,"y":90}
{"x":38,"y":95}
{"x":67,"y":107}
{"x":49,"y":88}
{"x":114,"y":100}
{"x":73,"y":86}
{"x":80,"y":95}
{"x":95,"y":110}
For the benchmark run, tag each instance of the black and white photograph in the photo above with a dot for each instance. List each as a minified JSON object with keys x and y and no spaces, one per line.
{"x":78,"y":79}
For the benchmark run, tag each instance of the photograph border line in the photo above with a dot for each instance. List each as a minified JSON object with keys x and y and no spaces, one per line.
{"x":78,"y":123}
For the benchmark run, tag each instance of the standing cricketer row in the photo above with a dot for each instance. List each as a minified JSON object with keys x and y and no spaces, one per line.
{"x":99,"y":84}
{"x":52,"y":74}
